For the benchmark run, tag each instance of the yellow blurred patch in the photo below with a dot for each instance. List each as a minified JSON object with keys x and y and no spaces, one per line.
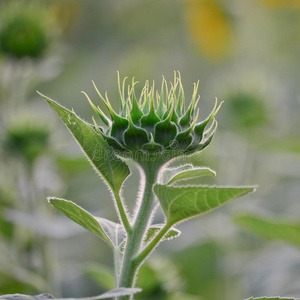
{"x":66,"y":13}
{"x":281,"y":3}
{"x":209,"y":26}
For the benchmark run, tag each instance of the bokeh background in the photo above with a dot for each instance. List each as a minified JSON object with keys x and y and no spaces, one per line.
{"x":246,"y":53}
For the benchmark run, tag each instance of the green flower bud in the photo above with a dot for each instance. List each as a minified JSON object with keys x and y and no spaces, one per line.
{"x":26,"y":137}
{"x":24,"y":31}
{"x":156,"y":123}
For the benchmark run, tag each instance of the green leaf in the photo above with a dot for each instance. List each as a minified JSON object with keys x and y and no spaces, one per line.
{"x":100,"y":274}
{"x":154,"y":229}
{"x":192,"y":173}
{"x":26,"y":297}
{"x":271,"y":229}
{"x":109,"y":231}
{"x":99,"y":153}
{"x":272,"y":298}
{"x":111,"y":294}
{"x":168,"y":173}
{"x":114,"y":231}
{"x":181,"y":203}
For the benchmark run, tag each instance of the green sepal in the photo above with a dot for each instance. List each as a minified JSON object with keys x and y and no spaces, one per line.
{"x":198,"y":133}
{"x":106,"y":102}
{"x":152,"y":146}
{"x":135,"y":112}
{"x":135,"y":137}
{"x":149,"y":121}
{"x":104,"y":118}
{"x":187,"y":119}
{"x":114,"y":143}
{"x":165,"y":131}
{"x":183,"y":143}
{"x":208,"y":136}
{"x":161,"y":106}
{"x":97,"y":150}
{"x":122,"y":96}
{"x":98,"y":111}
{"x":182,"y":203}
{"x":119,"y":126}
{"x":174,"y":117}
{"x":147,"y":96}
{"x":184,"y":138}
{"x":180,"y":102}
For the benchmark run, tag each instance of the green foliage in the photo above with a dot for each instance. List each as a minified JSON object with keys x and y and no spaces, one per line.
{"x":202,"y":263}
{"x":26,"y":297}
{"x":260,"y":87}
{"x":153,"y":133}
{"x":271,"y":229}
{"x":111,"y":294}
{"x":169,"y":173}
{"x":107,"y":230}
{"x":154,"y":229}
{"x":101,"y":156}
{"x":100,"y":274}
{"x":192,"y":173}
{"x":182,"y":203}
{"x":160,"y":280}
{"x":272,"y":298}
{"x":155,"y":128}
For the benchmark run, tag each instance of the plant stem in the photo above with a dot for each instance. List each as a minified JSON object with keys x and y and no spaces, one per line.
{"x":130,"y":266}
{"x":150,"y":247}
{"x":122,"y":213}
{"x":117,"y":262}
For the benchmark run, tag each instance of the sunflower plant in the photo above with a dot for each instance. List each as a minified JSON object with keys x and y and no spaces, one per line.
{"x":152,"y":129}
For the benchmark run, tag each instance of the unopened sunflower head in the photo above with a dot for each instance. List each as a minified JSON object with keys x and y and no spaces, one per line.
{"x":26,"y":29}
{"x":156,"y":122}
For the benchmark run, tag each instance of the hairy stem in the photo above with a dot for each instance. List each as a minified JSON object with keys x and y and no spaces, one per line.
{"x":117,"y":262}
{"x":150,"y":247}
{"x":130,"y":265}
{"x":122,"y":213}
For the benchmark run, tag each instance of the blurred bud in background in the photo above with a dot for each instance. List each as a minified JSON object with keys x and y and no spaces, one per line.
{"x":31,"y":28}
{"x":26,"y":137}
{"x":245,"y":109}
{"x":26,"y":30}
{"x":209,"y":25}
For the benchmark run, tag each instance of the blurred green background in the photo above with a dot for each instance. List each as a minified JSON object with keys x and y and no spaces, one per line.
{"x":246,"y":53}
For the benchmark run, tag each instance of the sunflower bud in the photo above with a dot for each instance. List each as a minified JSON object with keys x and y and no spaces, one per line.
{"x":24,"y":31}
{"x":156,"y":123}
{"x":26,"y":137}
